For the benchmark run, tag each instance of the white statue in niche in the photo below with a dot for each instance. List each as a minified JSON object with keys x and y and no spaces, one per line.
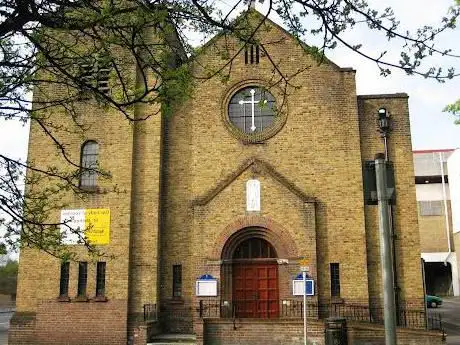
{"x":253,"y":195}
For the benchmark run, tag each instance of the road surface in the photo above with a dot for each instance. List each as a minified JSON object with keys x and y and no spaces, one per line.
{"x":450,"y":312}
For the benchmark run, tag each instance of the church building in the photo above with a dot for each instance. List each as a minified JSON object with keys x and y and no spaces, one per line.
{"x":219,"y":205}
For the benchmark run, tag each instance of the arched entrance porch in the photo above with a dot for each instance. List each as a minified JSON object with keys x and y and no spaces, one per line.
{"x":250,"y":275}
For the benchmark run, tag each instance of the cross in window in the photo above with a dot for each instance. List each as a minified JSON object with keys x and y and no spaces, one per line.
{"x":252,"y":102}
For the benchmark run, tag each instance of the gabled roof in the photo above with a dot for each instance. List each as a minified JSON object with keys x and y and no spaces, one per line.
{"x":261,"y":167}
{"x":267,"y":21}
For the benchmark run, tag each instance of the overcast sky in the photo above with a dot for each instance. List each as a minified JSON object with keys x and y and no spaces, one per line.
{"x":431,"y":128}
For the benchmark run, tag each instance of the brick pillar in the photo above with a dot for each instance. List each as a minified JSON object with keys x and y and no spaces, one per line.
{"x":145,"y":213}
{"x":140,"y":335}
{"x":198,"y":328}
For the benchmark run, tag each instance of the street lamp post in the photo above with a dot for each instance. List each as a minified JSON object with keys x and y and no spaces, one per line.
{"x":385,"y":251}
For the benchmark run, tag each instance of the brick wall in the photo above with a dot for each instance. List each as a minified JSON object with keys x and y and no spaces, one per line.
{"x":315,"y":152}
{"x":22,"y":329}
{"x":275,"y":332}
{"x":261,"y":332}
{"x":38,"y":277}
{"x":405,"y":215}
{"x":361,"y":334}
{"x":81,"y":323}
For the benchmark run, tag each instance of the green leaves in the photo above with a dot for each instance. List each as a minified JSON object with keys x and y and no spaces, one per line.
{"x":8,"y":278}
{"x":176,"y":87}
{"x":454,"y":109}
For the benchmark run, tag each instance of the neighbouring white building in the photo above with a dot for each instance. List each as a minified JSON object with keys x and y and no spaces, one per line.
{"x":435,"y":185}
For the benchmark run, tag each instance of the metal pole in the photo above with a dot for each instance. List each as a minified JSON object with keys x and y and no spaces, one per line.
{"x":385,"y":251}
{"x":393,"y":236}
{"x":304,"y":275}
{"x":424,"y":292}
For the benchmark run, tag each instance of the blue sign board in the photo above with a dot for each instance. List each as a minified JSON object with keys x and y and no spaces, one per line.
{"x":298,"y":286}
{"x":206,"y":285}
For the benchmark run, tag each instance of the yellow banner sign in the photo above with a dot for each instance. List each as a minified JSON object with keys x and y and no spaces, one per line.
{"x":97,"y":225}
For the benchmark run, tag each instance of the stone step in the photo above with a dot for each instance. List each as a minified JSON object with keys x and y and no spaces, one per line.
{"x":171,"y":343}
{"x":167,"y":339}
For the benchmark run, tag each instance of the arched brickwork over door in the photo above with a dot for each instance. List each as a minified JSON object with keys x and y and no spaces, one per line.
{"x":250,"y":275}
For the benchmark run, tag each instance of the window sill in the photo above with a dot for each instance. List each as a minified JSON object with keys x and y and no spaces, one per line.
{"x":81,"y":299}
{"x":100,"y":299}
{"x":176,"y":300}
{"x":90,"y":189}
{"x":63,"y":299}
{"x":337,"y":300}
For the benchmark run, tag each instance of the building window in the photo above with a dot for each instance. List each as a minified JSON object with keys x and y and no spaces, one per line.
{"x":88,"y":164}
{"x":64,"y":280}
{"x":100,"y":279}
{"x":431,"y":208}
{"x":177,"y":280}
{"x":251,"y":54}
{"x":82,"y":278}
{"x":252,"y":109}
{"x":254,"y":248}
{"x":95,"y":73}
{"x":335,"y":279}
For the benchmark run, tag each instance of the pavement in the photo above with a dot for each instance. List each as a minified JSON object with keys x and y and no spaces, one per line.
{"x":450,"y":313}
{"x":5,"y":316}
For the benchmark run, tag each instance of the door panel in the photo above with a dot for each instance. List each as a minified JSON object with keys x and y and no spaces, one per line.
{"x":255,"y":290}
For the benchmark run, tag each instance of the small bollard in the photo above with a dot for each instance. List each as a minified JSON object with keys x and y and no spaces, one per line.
{"x":336,"y":331}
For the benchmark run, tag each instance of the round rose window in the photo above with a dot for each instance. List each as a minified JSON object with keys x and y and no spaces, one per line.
{"x":252,"y":109}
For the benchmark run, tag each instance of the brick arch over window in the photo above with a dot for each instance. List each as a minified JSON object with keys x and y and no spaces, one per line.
{"x":254,"y":226}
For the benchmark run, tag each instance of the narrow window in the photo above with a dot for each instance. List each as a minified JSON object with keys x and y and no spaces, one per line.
{"x":335,"y":279}
{"x":87,"y":73}
{"x":88,"y":164}
{"x":251,"y":54}
{"x":64,"y":280}
{"x":431,"y":208}
{"x":82,"y":277}
{"x":177,"y":280}
{"x":95,"y":72}
{"x":100,"y":279}
{"x":103,"y":74}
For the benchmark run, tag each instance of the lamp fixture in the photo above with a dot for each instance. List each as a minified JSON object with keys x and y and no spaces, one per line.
{"x":384,"y":121}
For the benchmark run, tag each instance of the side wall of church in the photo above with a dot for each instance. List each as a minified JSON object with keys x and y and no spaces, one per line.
{"x":38,"y":303}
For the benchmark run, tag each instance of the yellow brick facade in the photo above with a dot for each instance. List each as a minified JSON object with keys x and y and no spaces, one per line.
{"x":182,"y":193}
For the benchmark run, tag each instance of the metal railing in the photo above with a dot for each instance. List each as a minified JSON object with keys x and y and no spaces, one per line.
{"x":408,"y":318}
{"x":150,"y":312}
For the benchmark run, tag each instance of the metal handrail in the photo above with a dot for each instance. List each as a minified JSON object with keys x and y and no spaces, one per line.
{"x":293,"y":308}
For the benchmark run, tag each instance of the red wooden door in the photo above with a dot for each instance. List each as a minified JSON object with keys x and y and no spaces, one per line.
{"x":255,"y":290}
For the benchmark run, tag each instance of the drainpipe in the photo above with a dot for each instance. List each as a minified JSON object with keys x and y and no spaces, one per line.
{"x":446,"y":215}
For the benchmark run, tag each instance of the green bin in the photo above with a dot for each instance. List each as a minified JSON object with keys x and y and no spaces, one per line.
{"x":336,"y":331}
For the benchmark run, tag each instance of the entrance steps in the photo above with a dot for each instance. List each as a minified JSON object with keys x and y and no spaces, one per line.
{"x":173,"y":339}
